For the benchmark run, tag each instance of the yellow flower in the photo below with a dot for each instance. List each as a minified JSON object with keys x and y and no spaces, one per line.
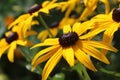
{"x":109,"y":23}
{"x":11,"y":40}
{"x":26,"y":20}
{"x":70,"y":46}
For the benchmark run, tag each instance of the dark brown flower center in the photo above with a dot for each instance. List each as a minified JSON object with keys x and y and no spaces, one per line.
{"x":34,"y":8}
{"x":54,"y":24}
{"x":68,"y":39}
{"x":12,"y":37}
{"x":116,"y":15}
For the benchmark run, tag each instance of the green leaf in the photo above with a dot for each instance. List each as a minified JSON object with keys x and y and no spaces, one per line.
{"x":81,"y":71}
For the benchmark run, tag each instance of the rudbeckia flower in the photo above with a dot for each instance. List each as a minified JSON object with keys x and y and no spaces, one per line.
{"x":109,"y":23}
{"x":10,"y":42}
{"x":70,"y":46}
{"x":26,"y":19}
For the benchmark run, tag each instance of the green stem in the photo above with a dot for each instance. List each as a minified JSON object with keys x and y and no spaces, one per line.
{"x":45,"y":25}
{"x":113,"y":73}
{"x":85,"y":73}
{"x":26,"y":54}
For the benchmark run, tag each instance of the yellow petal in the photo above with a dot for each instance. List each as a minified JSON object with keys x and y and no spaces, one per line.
{"x":11,"y":51}
{"x":43,"y":35}
{"x":19,"y":19}
{"x":66,"y":29}
{"x":54,"y":31}
{"x":93,"y":32}
{"x":44,"y":57}
{"x":21,"y":42}
{"x":3,"y":49}
{"x":95,"y":53}
{"x":48,"y":42}
{"x":51,"y":64}
{"x":68,"y":55}
{"x":31,"y":32}
{"x":76,"y":28}
{"x":101,"y":45}
{"x":107,"y":6}
{"x":47,"y":5}
{"x":27,"y":25}
{"x":109,"y":33}
{"x":83,"y":58}
{"x":43,"y":52}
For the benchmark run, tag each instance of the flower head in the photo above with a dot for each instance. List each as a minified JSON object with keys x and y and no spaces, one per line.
{"x":109,"y":23}
{"x":26,"y":20}
{"x":10,"y":41}
{"x":70,"y":46}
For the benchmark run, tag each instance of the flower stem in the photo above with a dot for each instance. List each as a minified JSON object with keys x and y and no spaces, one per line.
{"x":113,"y":73}
{"x":26,"y":54}
{"x":45,"y":25}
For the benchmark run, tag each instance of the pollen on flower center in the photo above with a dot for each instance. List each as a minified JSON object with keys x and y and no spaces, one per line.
{"x":68,"y":39}
{"x":12,"y":37}
{"x":116,"y":15}
{"x":34,"y":8}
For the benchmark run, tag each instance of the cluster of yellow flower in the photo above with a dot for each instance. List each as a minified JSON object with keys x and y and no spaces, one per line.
{"x":76,"y":43}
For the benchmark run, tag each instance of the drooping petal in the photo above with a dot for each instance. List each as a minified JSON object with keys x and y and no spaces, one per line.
{"x":90,"y":7}
{"x":68,"y":55}
{"x":3,"y":46}
{"x":44,"y":57}
{"x":83,"y":58}
{"x":27,"y":25}
{"x":43,"y":52}
{"x":101,"y":45}
{"x":109,"y":33}
{"x":107,"y":6}
{"x":3,"y":49}
{"x":95,"y":53}
{"x":51,"y":64}
{"x":11,"y":51}
{"x":66,"y":29}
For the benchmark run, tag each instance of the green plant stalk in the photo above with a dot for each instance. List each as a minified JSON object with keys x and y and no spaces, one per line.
{"x":28,"y":57}
{"x":45,"y":25}
{"x":113,"y":73}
